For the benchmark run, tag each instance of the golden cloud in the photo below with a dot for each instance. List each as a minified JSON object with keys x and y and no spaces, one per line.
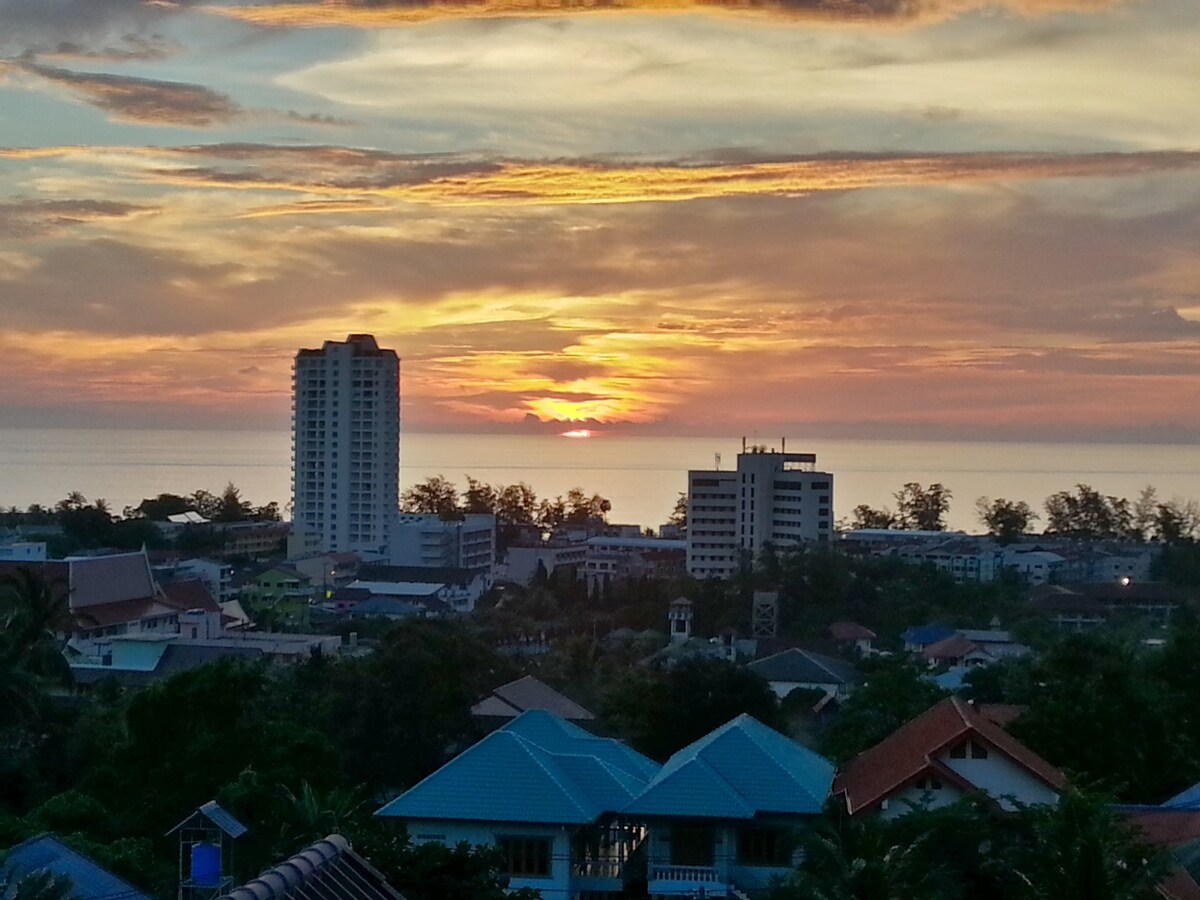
{"x":451,"y":181}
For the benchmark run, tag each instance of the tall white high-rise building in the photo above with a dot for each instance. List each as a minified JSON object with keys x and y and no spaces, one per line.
{"x":772,"y":496}
{"x":345,"y":447}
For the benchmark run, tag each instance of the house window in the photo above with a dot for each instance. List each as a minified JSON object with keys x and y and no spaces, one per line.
{"x":692,"y":845}
{"x":764,"y":847}
{"x":928,"y":784}
{"x":959,"y":750}
{"x":978,"y":751}
{"x":525,"y":856}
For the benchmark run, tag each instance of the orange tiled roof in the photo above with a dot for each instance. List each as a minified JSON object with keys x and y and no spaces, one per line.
{"x":911,"y":749}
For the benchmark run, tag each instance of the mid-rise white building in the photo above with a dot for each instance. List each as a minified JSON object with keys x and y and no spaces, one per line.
{"x":772,"y":497}
{"x":346,"y":446}
{"x":428,"y":541}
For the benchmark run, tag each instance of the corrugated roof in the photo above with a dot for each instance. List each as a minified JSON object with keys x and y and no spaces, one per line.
{"x":803,"y":666}
{"x":738,"y":771}
{"x":326,"y":870}
{"x":88,"y":880}
{"x":213,"y":812}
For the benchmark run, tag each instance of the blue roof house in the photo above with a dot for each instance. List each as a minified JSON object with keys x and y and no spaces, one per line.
{"x":722,"y":813}
{"x":576,"y":815}
{"x":547,"y":794}
{"x":46,"y":853}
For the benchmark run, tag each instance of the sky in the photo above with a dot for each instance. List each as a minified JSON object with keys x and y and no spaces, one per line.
{"x":840,"y":218}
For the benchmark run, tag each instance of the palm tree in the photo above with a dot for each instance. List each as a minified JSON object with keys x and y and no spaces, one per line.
{"x":312,"y":814}
{"x":39,"y":885}
{"x":29,"y":654}
{"x":862,"y":859}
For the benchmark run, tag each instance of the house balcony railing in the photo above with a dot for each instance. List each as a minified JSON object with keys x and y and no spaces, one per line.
{"x":694,"y":874}
{"x":597,"y":868}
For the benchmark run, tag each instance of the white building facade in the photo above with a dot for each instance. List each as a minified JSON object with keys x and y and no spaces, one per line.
{"x":428,"y":541}
{"x":346,"y":446}
{"x":773,"y":497}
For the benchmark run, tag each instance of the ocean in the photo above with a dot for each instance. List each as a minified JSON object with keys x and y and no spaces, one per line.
{"x":642,"y":476}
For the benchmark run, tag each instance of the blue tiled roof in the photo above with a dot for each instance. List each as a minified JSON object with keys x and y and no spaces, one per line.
{"x":89,"y":881}
{"x":557,"y":735}
{"x":538,"y":768}
{"x":741,"y":770}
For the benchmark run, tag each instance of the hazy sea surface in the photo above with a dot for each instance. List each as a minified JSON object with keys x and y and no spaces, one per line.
{"x":641,"y":475}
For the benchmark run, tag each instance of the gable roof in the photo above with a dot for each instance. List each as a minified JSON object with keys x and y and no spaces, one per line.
{"x":910,"y":750}
{"x":537,"y":769}
{"x":512,"y":699}
{"x":89,"y":881}
{"x":214,"y":813}
{"x":741,"y":770}
{"x":954,"y":647}
{"x":326,"y":870}
{"x":803,"y":666}
{"x":850,"y":631}
{"x":190,"y":594}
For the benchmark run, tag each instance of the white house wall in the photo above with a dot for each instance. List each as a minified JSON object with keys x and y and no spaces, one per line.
{"x":1001,"y":777}
{"x":555,"y":887}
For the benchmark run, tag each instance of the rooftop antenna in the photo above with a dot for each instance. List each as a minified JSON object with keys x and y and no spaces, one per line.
{"x":717,"y":458}
{"x":743,"y":443}
{"x":783,"y":445}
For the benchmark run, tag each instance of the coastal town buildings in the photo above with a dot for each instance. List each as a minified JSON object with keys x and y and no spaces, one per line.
{"x":346,"y":447}
{"x":772,"y":497}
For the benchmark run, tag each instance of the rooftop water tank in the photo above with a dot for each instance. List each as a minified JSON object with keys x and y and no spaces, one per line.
{"x":206,"y":865}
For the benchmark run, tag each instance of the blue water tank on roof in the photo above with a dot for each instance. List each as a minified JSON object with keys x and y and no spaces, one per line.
{"x":206,"y":865}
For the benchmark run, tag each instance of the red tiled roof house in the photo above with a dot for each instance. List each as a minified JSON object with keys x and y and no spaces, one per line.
{"x":947,"y":752}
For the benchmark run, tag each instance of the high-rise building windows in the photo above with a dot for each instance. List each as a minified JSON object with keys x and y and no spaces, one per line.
{"x":329,"y":408}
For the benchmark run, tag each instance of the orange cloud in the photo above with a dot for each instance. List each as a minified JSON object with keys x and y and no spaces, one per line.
{"x":362,"y":14}
{"x":457,"y":181}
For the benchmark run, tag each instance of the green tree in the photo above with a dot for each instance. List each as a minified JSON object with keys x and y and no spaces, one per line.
{"x":480,"y":497}
{"x":1081,"y":849}
{"x":892,"y":693}
{"x":659,"y":712}
{"x":923,"y":508}
{"x":1006,"y":519}
{"x":433,"y":496}
{"x":863,"y":859}
{"x":157,"y":508}
{"x":29,"y":655}
{"x":516,"y":504}
{"x":679,"y":515}
{"x":232,"y":507}
{"x":865,"y":516}
{"x":1088,"y":513}
{"x":1098,"y":711}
